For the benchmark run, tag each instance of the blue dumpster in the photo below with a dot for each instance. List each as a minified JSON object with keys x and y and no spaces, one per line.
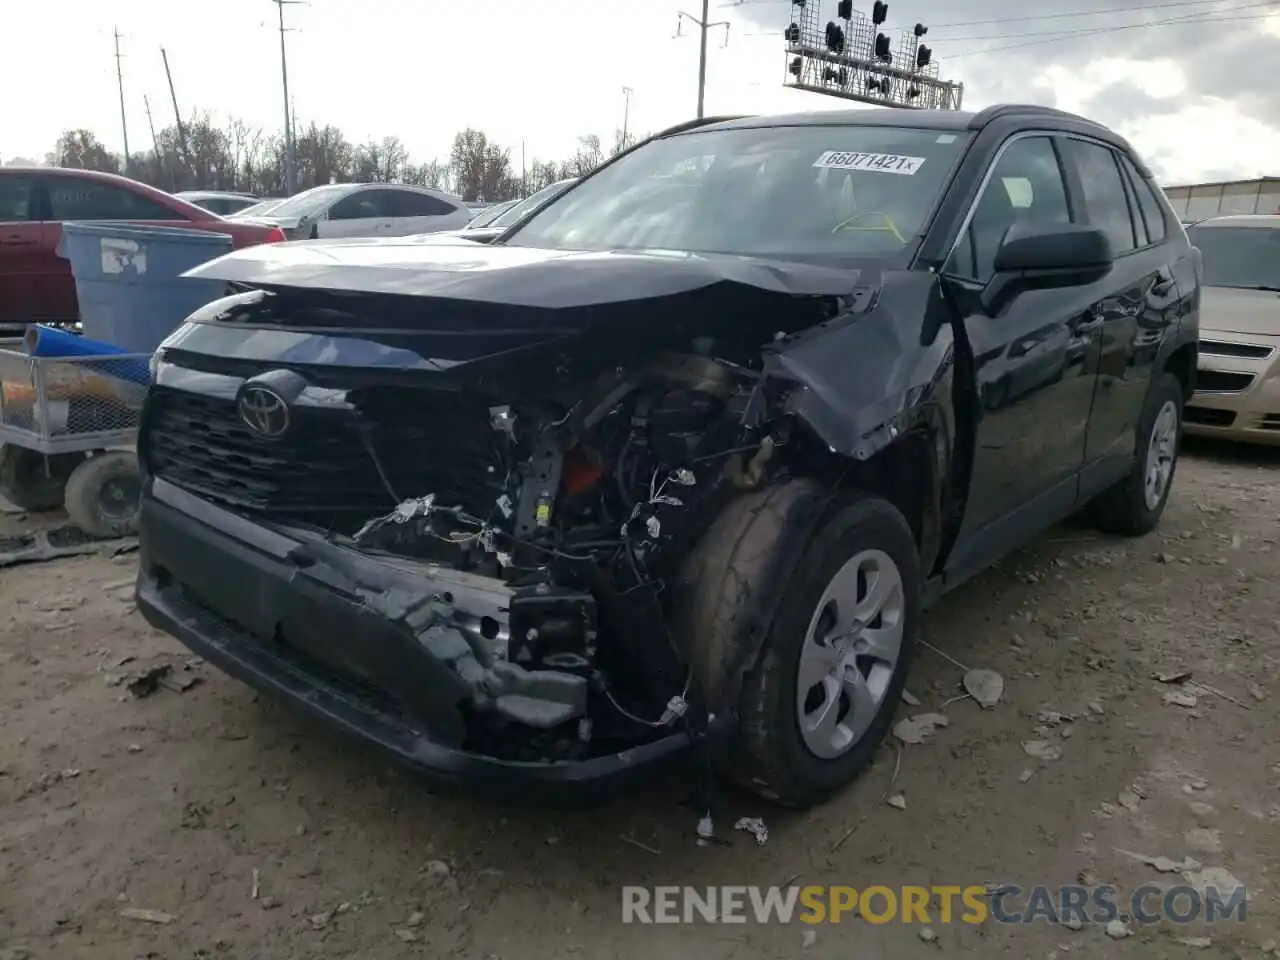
{"x":129,"y":278}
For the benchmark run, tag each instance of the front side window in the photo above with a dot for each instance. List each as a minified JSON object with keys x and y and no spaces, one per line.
{"x":1025,"y":186}
{"x":71,"y":198}
{"x":361,"y":205}
{"x":1246,"y":257}
{"x":1105,"y":200}
{"x":801,"y":191}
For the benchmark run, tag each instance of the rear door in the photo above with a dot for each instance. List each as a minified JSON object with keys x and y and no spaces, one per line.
{"x":1133,"y":308}
{"x":413,"y":212}
{"x":83,"y":198}
{"x":25,"y":258}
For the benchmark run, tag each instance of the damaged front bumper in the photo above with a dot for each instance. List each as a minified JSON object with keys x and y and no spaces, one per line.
{"x":355,"y":641}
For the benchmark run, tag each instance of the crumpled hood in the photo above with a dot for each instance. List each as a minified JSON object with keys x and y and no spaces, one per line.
{"x":443,"y":267}
{"x":1233,"y":310}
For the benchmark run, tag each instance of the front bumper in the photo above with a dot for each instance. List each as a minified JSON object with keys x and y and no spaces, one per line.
{"x":325,"y":628}
{"x":1237,"y":397}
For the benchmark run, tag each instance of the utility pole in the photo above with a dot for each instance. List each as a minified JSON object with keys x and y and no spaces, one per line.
{"x":177,"y":114}
{"x":124,"y":124}
{"x":703,"y":26}
{"x":626,"y":114}
{"x":290,"y":155}
{"x":155,"y":146}
{"x":524,"y":171}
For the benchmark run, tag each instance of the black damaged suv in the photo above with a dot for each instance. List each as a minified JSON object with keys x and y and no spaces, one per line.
{"x":670,"y":469}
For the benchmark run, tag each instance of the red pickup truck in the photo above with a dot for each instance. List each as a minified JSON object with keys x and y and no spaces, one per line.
{"x":35,"y":283}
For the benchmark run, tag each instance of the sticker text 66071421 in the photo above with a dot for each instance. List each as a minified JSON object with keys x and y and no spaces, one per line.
{"x":874,"y":162}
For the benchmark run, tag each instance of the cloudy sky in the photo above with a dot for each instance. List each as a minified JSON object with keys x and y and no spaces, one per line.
{"x":1190,"y":83}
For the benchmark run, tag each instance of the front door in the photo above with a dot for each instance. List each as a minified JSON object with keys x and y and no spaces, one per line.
{"x":1035,"y":389}
{"x":360,"y":214}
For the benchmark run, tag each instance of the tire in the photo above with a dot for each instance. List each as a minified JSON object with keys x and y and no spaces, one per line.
{"x":1126,"y":509}
{"x":748,"y":557}
{"x":103,"y":495}
{"x":31,"y":481}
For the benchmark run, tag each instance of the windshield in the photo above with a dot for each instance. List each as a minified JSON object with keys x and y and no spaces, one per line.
{"x":789,"y":191}
{"x":259,"y":208}
{"x":311,"y":201}
{"x":532,"y":202}
{"x":1239,"y":256}
{"x":486,"y":216}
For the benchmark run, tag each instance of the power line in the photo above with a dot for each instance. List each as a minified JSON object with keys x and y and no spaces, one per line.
{"x":1201,"y":17}
{"x":1099,"y":31}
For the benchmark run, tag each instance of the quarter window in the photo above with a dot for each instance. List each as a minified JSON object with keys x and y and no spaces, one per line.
{"x":1026,"y":186}
{"x":1148,"y":202}
{"x":1106,"y":203}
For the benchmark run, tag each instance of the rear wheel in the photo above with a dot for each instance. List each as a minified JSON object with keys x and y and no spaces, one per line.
{"x":104,"y":493}
{"x":1134,"y":505}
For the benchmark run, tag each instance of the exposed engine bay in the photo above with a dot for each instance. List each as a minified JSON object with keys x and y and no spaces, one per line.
{"x":587,"y":499}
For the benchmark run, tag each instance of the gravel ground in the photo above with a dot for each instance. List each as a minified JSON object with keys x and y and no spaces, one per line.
{"x":176,"y":802}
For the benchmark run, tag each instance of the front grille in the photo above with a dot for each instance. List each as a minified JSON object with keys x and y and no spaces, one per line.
{"x":322,"y":471}
{"x":1216,"y":381}
{"x":1205,"y":417}
{"x":1220,"y":348}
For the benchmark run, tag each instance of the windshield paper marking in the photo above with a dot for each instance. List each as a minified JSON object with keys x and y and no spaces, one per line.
{"x":875,"y":162}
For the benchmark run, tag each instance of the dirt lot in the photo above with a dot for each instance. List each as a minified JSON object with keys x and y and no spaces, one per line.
{"x":175,"y":802}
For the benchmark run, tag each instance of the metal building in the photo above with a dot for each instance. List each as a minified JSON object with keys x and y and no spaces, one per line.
{"x":1201,"y":200}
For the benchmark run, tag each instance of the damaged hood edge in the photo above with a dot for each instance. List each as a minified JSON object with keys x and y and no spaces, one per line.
{"x":514,"y":276}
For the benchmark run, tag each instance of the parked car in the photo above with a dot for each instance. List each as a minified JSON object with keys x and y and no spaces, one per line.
{"x":1238,"y":382}
{"x":35,"y":283}
{"x":669,"y":471}
{"x":367,"y":210}
{"x":217,"y":201}
{"x":493,"y":227}
{"x":258,"y":209}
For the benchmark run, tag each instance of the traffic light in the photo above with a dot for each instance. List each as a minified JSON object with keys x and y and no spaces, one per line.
{"x":879,"y":12}
{"x":920,"y":30}
{"x":844,"y":9}
{"x":792,"y":34}
{"x":796,"y":66}
{"x":882,"y":47}
{"x":835,"y":37}
{"x":923,"y":56}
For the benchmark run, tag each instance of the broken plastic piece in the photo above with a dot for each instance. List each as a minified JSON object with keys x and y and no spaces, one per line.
{"x":706,"y":831}
{"x":754,"y":826}
{"x":684,"y":476}
{"x":506,"y":506}
{"x":653,"y":527}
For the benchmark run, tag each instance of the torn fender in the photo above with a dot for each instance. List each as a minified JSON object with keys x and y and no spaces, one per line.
{"x":865,"y":380}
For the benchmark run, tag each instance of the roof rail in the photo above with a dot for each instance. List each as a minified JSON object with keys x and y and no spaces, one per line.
{"x":700,"y":122}
{"x":996,"y":112}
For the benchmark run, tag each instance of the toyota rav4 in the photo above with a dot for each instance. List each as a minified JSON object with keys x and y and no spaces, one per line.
{"x":670,"y":469}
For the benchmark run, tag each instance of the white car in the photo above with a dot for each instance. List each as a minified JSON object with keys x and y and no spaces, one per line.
{"x":221,"y":202}
{"x":367,"y":210}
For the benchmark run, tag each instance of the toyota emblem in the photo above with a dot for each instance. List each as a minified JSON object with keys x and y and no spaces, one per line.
{"x":263,"y":411}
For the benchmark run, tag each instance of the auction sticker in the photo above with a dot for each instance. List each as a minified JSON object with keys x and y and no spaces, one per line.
{"x":875,"y":162}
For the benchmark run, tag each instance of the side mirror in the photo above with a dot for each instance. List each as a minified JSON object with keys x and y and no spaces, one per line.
{"x":1038,"y":256}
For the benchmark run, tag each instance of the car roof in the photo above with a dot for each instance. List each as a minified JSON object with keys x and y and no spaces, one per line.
{"x":1263,"y":221}
{"x":215,"y":194}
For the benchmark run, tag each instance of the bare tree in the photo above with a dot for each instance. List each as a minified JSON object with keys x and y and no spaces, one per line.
{"x":82,"y":150}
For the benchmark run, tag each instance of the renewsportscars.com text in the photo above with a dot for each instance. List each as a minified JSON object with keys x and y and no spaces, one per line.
{"x":931,"y":905}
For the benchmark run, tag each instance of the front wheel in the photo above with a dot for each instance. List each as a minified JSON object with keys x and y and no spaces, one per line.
{"x":1134,"y":505}
{"x":820,"y":697}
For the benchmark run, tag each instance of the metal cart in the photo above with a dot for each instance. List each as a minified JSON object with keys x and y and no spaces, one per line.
{"x":67,"y":428}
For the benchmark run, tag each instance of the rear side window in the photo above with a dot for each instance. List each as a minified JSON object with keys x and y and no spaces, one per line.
{"x":1106,"y":203}
{"x":1150,"y":205}
{"x":18,"y":199}
{"x":73,"y":199}
{"x":406,"y":203}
